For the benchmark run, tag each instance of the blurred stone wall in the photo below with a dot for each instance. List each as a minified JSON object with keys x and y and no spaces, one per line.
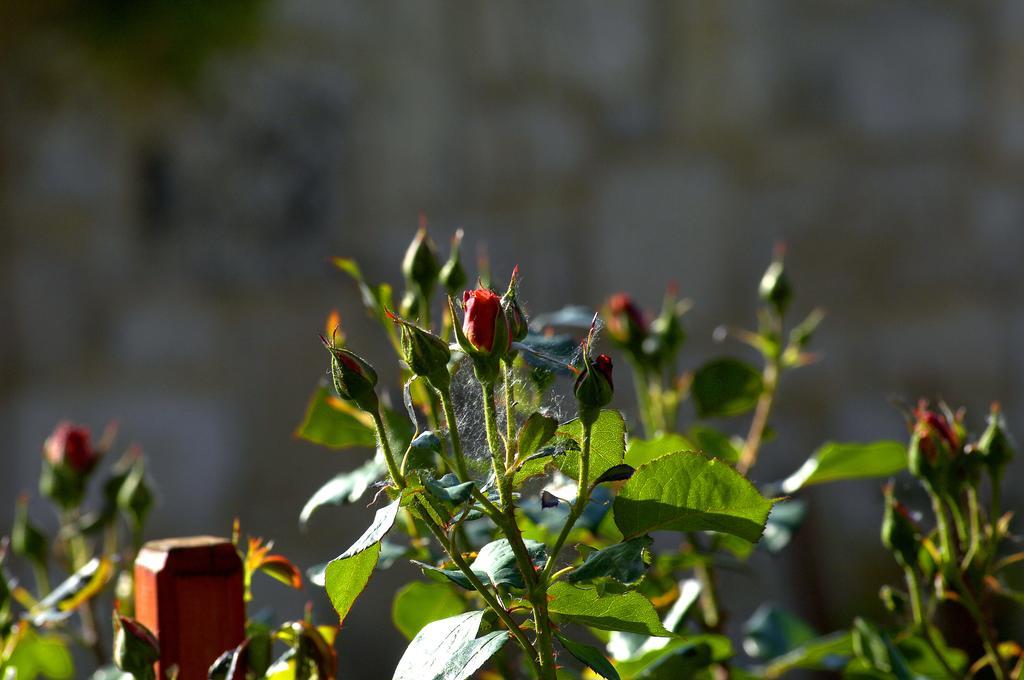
{"x":163,"y":251}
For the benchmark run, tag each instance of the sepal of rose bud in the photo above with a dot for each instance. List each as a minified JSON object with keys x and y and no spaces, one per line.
{"x":995,"y":445}
{"x":518,"y":326}
{"x":453,"y":275}
{"x":135,"y":498}
{"x":775,"y":288}
{"x":420,"y":266}
{"x":667,"y":329}
{"x":425,"y":353}
{"x":594,"y":387}
{"x":136,"y":649}
{"x":27,"y":540}
{"x":898,"y":532}
{"x":354,"y":379}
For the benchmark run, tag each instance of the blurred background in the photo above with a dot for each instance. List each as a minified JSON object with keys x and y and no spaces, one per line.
{"x":174,"y":176}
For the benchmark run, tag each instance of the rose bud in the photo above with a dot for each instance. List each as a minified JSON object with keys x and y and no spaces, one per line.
{"x":932,"y":447}
{"x":898,"y":532}
{"x":775,"y":288}
{"x":420,"y":265}
{"x":135,"y":648}
{"x":667,"y":331}
{"x":69,"y":446}
{"x":425,"y":353}
{"x":518,"y":326}
{"x":995,"y":445}
{"x":453,"y":276}
{"x":354,"y":379}
{"x":484,"y":324}
{"x":594,"y":386}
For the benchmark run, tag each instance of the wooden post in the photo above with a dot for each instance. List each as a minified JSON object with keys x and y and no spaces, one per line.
{"x":189,"y":592}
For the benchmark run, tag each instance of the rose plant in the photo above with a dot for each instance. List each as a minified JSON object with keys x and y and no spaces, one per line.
{"x":488,"y":519}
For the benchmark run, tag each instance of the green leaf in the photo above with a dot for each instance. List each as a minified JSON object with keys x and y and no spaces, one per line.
{"x":714,"y":443}
{"x":329,"y":421}
{"x":677,"y":659}
{"x":771,"y":632}
{"x":623,"y":646}
{"x":495,"y":565}
{"x":827,"y":653}
{"x":449,"y":489}
{"x":449,"y":649}
{"x":629,"y":611}
{"x":836,"y":461}
{"x":783,"y":523}
{"x":623,"y":562}
{"x":345,"y":488}
{"x":873,"y":648}
{"x":607,"y":447}
{"x":419,"y":603}
{"x":688,"y":492}
{"x":642,"y":451}
{"x":348,"y":573}
{"x":34,"y":655}
{"x":726,"y":387}
{"x":536,"y":432}
{"x":590,"y":656}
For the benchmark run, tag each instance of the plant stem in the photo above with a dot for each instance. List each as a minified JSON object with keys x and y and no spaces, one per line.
{"x":974,"y":517}
{"x":945,"y":535}
{"x":917,"y":611}
{"x":498,"y":453}
{"x":643,"y":398}
{"x":705,"y":573}
{"x":385,"y":445}
{"x":453,"y":433}
{"x":510,"y":419}
{"x":582,"y":498}
{"x":752,"y":444}
{"x":456,"y":556}
{"x":42,"y":579}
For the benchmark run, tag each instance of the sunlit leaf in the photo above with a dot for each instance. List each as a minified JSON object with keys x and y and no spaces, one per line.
{"x":715,"y":443}
{"x":623,"y":562}
{"x":689,"y":492}
{"x":345,"y":488}
{"x":495,"y":565}
{"x":329,"y":421}
{"x":642,"y":451}
{"x":32,"y":655}
{"x":449,"y":489}
{"x":449,"y":649}
{"x":629,"y":611}
{"x":419,"y":603}
{"x":591,"y":656}
{"x":535,"y":432}
{"x":607,"y":447}
{"x":836,"y":461}
{"x":680,"y":658}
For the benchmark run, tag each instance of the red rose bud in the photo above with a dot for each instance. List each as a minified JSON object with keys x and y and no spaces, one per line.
{"x":420,"y":265}
{"x":933,"y":446}
{"x":518,"y":326}
{"x":626,"y":323}
{"x":354,"y":379}
{"x":898,"y":532}
{"x":69,"y":447}
{"x":775,"y":288}
{"x":484,"y":324}
{"x":425,"y":353}
{"x":453,"y":276}
{"x":594,"y":387}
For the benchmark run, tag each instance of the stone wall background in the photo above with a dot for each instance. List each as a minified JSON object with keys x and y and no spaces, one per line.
{"x":163,"y":258}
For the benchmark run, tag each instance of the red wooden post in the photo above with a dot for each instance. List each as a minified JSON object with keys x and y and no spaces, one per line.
{"x":189,"y":592}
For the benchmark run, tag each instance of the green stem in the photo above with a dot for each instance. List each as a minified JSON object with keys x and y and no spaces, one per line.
{"x":453,"y":433}
{"x":981,"y":622}
{"x":958,"y":519}
{"x":582,"y":498}
{"x":974,"y":517}
{"x":945,"y":534}
{"x":643,"y":398}
{"x":42,"y":579}
{"x":498,"y":453}
{"x":752,"y":443}
{"x":510,"y":419}
{"x":385,"y":445}
{"x":705,"y":573}
{"x":917,"y":611}
{"x":456,"y":556}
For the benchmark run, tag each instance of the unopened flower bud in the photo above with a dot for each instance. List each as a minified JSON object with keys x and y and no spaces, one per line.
{"x":135,"y":497}
{"x":420,"y":265}
{"x":626,"y":324}
{"x":425,"y":353}
{"x":898,"y":532}
{"x":453,"y":276}
{"x":354,"y":379}
{"x":995,"y":445}
{"x":518,"y":326}
{"x":933,"y":445}
{"x":70,"y":446}
{"x":667,"y":331}
{"x":484,"y":324}
{"x":594,"y":387}
{"x":775,"y":288}
{"x":135,"y":648}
